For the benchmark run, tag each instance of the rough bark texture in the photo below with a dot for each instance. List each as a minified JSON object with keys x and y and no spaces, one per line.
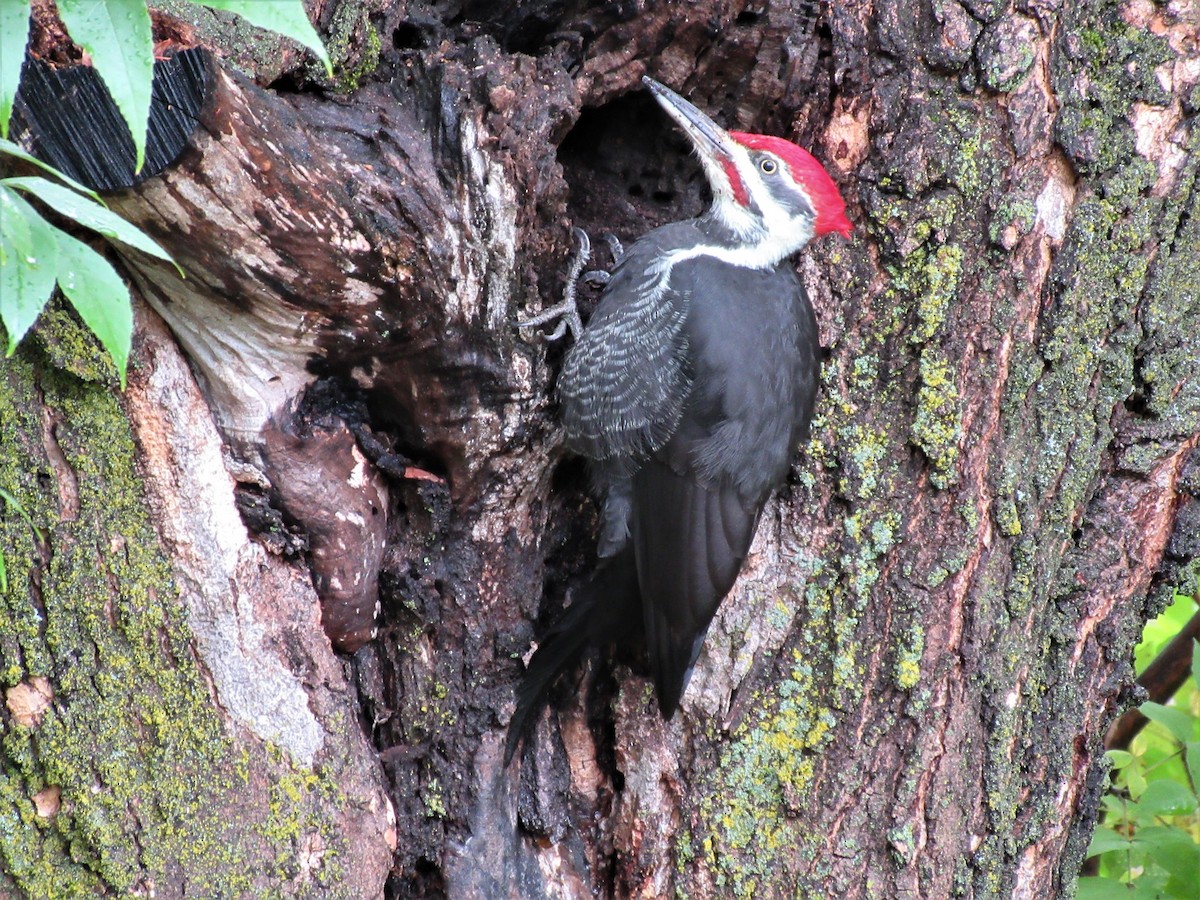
{"x":905,"y":695}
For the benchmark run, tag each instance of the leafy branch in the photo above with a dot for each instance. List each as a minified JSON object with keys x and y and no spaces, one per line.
{"x":35,"y":255}
{"x":1149,"y":841}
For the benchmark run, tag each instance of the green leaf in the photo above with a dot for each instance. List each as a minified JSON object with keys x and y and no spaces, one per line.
{"x":1119,"y":759}
{"x":99,"y":296}
{"x":1105,"y":840}
{"x":1175,"y":720}
{"x":14,"y":35}
{"x":117,"y":35}
{"x":28,"y":263}
{"x":1173,"y":849}
{"x":1093,"y":888}
{"x":1149,"y":887}
{"x":1136,"y":783}
{"x":1167,"y":798}
{"x":16,"y":150}
{"x":1191,"y":753}
{"x":286,"y":17}
{"x":1181,"y":890}
{"x":88,"y":214}
{"x":1162,"y":629}
{"x":1196,"y":663}
{"x":1115,"y":808}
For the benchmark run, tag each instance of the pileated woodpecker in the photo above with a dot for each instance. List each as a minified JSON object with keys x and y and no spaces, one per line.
{"x":688,"y":392}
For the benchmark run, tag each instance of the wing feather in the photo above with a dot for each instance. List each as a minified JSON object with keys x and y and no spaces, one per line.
{"x":689,"y":541}
{"x":623,"y":386}
{"x":688,"y":391}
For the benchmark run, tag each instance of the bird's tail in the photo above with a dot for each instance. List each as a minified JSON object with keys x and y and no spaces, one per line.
{"x":558,"y":650}
{"x":602,"y":606}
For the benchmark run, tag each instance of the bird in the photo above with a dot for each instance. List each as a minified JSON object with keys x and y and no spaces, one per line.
{"x":688,"y":392}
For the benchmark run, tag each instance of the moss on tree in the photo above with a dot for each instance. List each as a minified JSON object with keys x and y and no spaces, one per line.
{"x":146,"y":772}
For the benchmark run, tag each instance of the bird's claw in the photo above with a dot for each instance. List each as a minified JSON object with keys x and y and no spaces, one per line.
{"x":584,"y":253}
{"x":599,"y":277}
{"x":596,"y":277}
{"x":614,"y":246}
{"x":568,"y":318}
{"x":567,"y":312}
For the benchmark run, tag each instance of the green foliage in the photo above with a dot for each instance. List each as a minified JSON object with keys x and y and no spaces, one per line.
{"x":36,"y":255}
{"x":14,"y":35}
{"x":28,"y":265}
{"x":1149,"y":842}
{"x":1162,"y":629}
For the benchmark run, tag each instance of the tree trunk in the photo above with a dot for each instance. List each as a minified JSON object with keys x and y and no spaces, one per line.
{"x":907,"y":691}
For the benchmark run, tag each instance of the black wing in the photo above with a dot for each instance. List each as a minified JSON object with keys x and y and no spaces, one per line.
{"x":624,"y":384}
{"x":753,"y":362}
{"x":689,"y":541}
{"x":689,"y":391}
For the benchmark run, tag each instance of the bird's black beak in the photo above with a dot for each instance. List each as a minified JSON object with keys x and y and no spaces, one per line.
{"x":711,"y":141}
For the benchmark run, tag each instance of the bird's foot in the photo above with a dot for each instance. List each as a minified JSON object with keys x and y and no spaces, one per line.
{"x":567,"y":312}
{"x":598,"y":277}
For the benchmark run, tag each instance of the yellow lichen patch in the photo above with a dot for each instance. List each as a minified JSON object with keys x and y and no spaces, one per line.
{"x":907,"y":673}
{"x":761,"y":776}
{"x":940,"y":278}
{"x":938,"y":423}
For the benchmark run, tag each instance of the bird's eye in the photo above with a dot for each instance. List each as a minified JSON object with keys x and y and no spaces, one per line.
{"x":768,"y":166}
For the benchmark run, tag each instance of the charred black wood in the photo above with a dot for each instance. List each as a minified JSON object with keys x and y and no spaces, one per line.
{"x":65,"y":116}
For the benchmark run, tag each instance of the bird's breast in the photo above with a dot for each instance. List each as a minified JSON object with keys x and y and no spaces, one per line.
{"x":752,"y":359}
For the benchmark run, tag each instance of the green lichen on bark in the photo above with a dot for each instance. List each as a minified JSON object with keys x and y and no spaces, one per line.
{"x":74,"y":350}
{"x":354,"y":45}
{"x":927,"y":269}
{"x":308,"y":851}
{"x":908,"y":654}
{"x":130,"y":740}
{"x":937,"y":427}
{"x":1060,"y":402}
{"x":769,"y":760}
{"x":1169,"y":353}
{"x":147,"y":774}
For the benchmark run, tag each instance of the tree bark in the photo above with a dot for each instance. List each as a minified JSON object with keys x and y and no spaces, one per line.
{"x":906,"y":693}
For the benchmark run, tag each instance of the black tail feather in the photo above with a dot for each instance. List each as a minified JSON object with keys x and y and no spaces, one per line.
{"x":603,"y":608}
{"x":559,"y":650}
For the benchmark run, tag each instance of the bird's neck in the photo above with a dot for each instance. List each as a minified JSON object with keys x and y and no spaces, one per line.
{"x":740,"y":238}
